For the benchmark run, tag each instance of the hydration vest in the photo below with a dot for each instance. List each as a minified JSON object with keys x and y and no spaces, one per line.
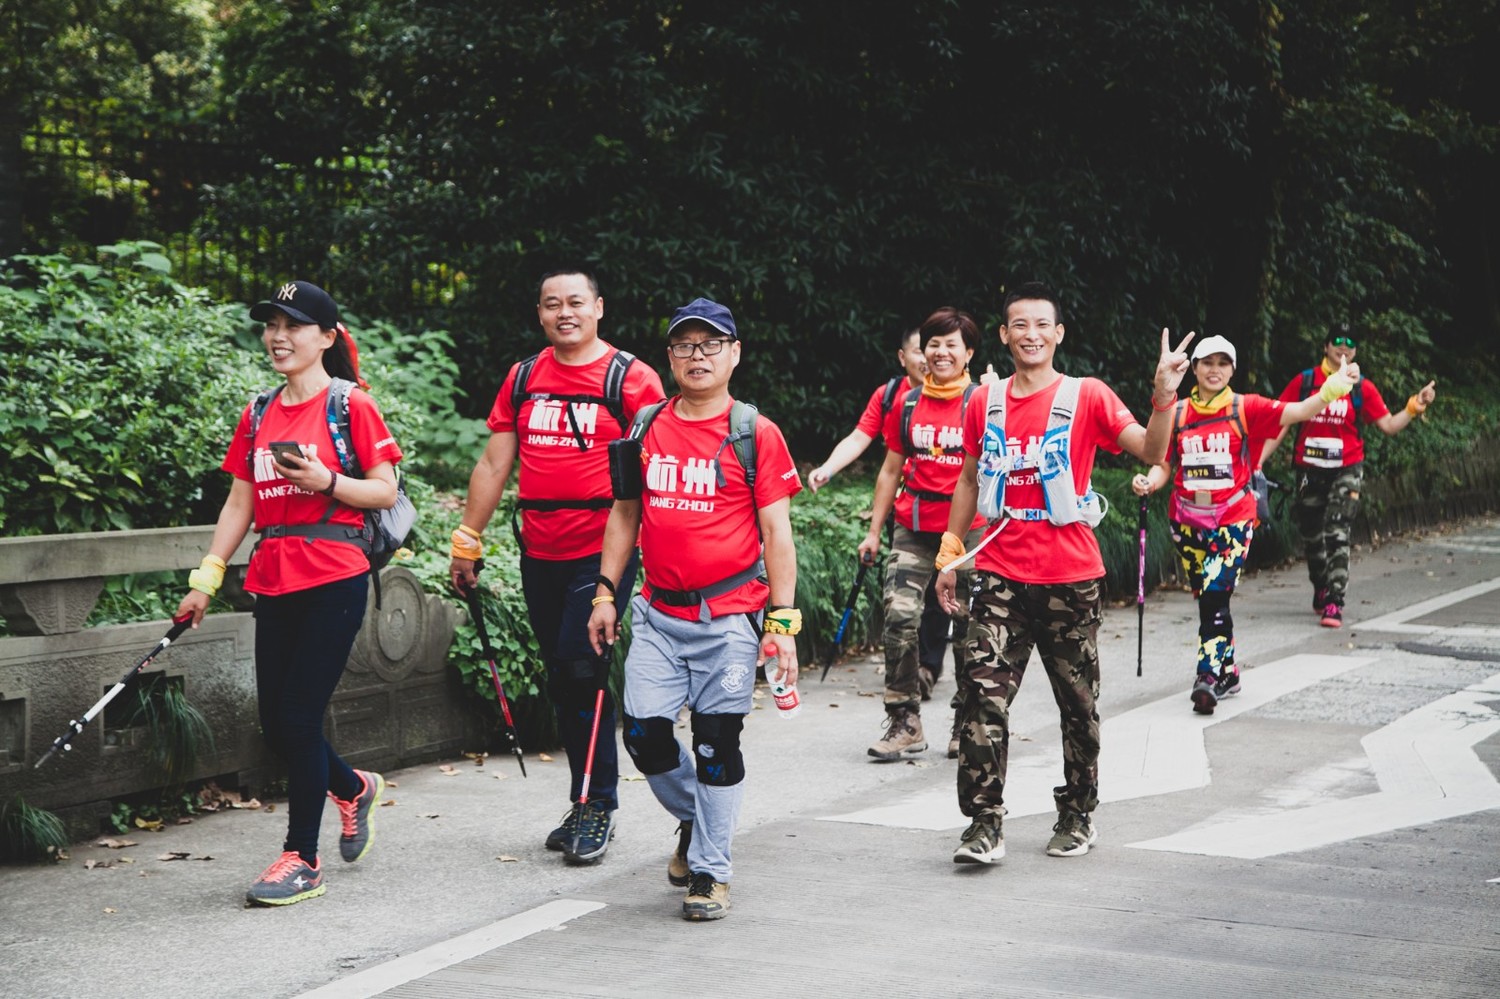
{"x":1052,"y":461}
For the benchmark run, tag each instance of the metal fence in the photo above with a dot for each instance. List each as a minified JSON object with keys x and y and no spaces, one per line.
{"x":231,"y":219}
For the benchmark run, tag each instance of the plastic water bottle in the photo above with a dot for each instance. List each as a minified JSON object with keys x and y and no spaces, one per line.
{"x":788,"y":701}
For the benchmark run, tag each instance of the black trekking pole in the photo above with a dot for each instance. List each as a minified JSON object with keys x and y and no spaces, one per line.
{"x":838,"y":636}
{"x":1140,"y":594}
{"x":65,"y":741}
{"x":588,"y":761}
{"x":476,"y":611}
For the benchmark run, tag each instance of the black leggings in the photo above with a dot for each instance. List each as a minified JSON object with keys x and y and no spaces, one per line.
{"x":302,"y":641}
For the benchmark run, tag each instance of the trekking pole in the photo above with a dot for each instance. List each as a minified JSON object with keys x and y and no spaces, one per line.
{"x":1140,"y":594}
{"x":65,"y":741}
{"x":588,"y":761}
{"x":476,"y":611}
{"x":838,"y":636}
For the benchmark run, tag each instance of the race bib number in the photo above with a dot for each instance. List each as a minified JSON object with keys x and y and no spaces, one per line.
{"x":1323,"y":452}
{"x":1207,"y":471}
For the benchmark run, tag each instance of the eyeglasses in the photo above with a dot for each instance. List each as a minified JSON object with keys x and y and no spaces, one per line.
{"x":1344,"y":341}
{"x":685,"y":349}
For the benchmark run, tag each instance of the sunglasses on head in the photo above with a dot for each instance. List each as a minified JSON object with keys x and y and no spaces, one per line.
{"x":1344,"y":341}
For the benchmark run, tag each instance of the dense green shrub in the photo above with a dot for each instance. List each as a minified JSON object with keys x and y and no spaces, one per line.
{"x":118,"y":394}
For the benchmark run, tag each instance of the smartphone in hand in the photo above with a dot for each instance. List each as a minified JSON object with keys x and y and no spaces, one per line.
{"x":280,"y":449}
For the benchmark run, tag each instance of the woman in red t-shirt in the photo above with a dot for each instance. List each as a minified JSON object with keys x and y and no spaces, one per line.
{"x":924,"y":436}
{"x":309,"y":575}
{"x":1212,"y":508}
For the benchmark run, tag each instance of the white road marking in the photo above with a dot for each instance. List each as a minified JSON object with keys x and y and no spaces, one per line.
{"x":1157,"y":748}
{"x":384,"y":977}
{"x":1427,"y":770}
{"x":1396,"y":621}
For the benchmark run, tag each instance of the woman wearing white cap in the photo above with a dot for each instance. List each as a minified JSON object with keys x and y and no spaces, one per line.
{"x":1212,"y":508}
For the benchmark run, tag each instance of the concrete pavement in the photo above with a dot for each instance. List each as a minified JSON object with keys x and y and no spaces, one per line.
{"x":1329,"y":832}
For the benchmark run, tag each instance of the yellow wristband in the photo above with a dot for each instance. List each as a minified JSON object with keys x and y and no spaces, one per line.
{"x":471,"y":532}
{"x":603,"y":598}
{"x":951,"y":548}
{"x":465,"y":547}
{"x":784,"y":621}
{"x":1414,"y":407}
{"x":209,"y":575}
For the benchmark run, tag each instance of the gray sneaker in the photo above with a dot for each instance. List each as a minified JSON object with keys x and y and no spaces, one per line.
{"x":1072,"y":836}
{"x":358,"y":833}
{"x":290,"y":879}
{"x":1204,"y":696}
{"x":982,"y":842}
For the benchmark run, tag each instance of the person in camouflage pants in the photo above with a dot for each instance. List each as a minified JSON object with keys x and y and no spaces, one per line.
{"x":1009,"y":619}
{"x":908,"y":574}
{"x":1328,"y":456}
{"x":1327,"y":503}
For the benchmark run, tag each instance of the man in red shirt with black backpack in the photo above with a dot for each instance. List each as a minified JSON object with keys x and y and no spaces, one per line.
{"x":557,"y":412}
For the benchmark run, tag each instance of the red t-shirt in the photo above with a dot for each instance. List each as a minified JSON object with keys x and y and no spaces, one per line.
{"x":1212,"y":459}
{"x":551,"y":465}
{"x":287,"y":565}
{"x":1039,"y":551}
{"x":934,"y":457}
{"x":1331,"y":439}
{"x":695,"y":533}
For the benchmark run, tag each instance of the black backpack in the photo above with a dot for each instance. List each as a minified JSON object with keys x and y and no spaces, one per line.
{"x":612,"y":399}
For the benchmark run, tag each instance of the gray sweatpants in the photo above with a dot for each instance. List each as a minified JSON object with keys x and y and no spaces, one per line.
{"x":710,"y":667}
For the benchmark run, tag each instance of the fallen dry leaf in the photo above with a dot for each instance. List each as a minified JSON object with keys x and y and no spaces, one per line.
{"x":833,"y":705}
{"x":252,"y":804}
{"x":270,"y":808}
{"x":90,"y":865}
{"x":391,"y":783}
{"x":111,"y":910}
{"x":428,"y":815}
{"x":634,"y":777}
{"x":127,"y":860}
{"x":498,"y":776}
{"x":447,"y":769}
{"x":506,"y":858}
{"x":544,"y":757}
{"x":175,"y":855}
{"x":115,"y":844}
{"x":387,"y":803}
{"x":153,"y":824}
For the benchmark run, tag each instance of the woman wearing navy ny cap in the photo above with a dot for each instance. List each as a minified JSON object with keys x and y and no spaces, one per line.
{"x":309,"y":571}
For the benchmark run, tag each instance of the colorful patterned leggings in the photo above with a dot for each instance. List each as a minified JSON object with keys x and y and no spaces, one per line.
{"x":1212,"y":559}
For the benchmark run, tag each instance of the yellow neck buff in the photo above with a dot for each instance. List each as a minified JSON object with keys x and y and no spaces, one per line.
{"x":1213,"y":405}
{"x":952,"y":390}
{"x":1328,"y":369}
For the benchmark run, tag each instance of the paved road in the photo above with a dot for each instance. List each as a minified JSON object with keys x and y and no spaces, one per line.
{"x":1329,"y":832}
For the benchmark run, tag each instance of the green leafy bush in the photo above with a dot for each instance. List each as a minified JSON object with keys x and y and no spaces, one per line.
{"x":118,"y":394}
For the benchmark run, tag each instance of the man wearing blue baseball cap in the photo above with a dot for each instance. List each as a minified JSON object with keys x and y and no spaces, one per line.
{"x":706,"y":483}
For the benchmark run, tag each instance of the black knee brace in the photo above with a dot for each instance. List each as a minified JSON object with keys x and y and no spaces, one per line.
{"x":1214,"y":619}
{"x":716,"y":744}
{"x":651,"y":744}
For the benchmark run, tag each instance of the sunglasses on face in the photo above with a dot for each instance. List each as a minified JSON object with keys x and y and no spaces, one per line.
{"x":685,"y":350}
{"x":1345,"y":341}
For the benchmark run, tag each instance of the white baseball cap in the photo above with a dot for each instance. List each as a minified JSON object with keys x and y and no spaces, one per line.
{"x":1215,"y":345}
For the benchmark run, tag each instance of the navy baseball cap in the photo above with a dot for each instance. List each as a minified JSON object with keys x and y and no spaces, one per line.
{"x":303,"y":301}
{"x":705,"y":311}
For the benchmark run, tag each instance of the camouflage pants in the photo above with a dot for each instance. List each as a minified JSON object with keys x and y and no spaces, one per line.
{"x":1327,"y":503}
{"x":908,"y":570}
{"x":1213,"y":559}
{"x":1061,"y":621}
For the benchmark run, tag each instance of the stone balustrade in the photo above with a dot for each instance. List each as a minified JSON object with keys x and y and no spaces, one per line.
{"x":397,"y":703}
